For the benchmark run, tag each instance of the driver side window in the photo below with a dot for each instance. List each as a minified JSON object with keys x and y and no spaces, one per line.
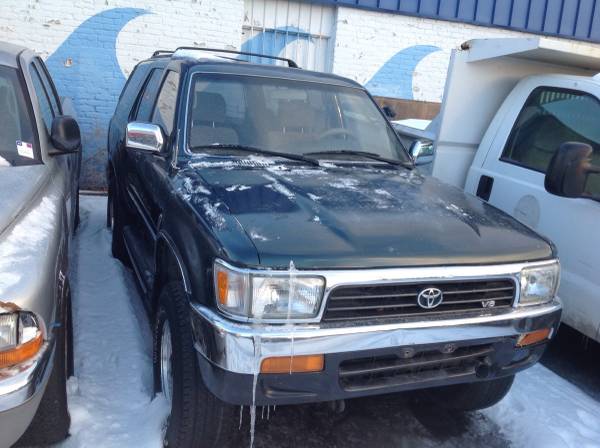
{"x":552,"y":116}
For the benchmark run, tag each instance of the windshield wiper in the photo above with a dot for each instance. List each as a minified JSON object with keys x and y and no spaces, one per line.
{"x":265,"y":152}
{"x":366,"y":154}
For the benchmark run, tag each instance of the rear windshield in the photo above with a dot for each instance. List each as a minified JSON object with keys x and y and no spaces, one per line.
{"x":16,"y":136}
{"x":289,"y":116}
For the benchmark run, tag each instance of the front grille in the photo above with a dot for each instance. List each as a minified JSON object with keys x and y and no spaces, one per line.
{"x":400,"y":300}
{"x":411,"y":367}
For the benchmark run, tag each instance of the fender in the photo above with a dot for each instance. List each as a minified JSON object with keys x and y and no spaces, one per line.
{"x":163,"y":235}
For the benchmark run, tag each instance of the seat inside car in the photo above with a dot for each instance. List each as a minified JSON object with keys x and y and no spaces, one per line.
{"x":209,"y":121}
{"x":296,"y":127}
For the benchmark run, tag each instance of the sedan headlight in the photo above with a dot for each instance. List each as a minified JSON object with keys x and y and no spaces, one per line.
{"x":539,"y":284}
{"x":277,"y":295}
{"x":20,"y":337}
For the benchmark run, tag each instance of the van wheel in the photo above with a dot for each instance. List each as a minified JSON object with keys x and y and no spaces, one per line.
{"x":52,"y":420}
{"x":471,"y":396}
{"x":197,"y":418}
{"x":114,"y":222}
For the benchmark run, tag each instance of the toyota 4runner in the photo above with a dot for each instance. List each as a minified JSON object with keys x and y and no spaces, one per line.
{"x":289,"y":251}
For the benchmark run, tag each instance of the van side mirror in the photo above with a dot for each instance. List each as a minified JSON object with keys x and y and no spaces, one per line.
{"x":568,"y":170}
{"x":65,"y":135}
{"x":146,"y":137}
{"x":389,"y":112}
{"x":422,"y":151}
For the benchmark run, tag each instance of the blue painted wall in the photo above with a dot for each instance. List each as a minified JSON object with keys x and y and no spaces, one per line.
{"x":576,"y":19}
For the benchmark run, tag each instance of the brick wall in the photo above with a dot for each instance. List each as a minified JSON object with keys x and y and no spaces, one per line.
{"x":91,"y":46}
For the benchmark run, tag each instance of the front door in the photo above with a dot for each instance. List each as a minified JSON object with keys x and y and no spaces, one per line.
{"x":513,"y":174}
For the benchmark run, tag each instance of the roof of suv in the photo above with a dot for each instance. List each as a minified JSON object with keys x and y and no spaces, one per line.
{"x":213,"y":63}
{"x":9,"y":53}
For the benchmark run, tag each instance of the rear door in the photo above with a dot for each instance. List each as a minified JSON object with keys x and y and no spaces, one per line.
{"x":512,"y":178}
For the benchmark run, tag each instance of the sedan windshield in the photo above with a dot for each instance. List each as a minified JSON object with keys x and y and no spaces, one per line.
{"x":16,"y":137}
{"x":288,"y":116}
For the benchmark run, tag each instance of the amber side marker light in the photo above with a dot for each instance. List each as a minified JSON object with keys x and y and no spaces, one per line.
{"x":293,"y":364}
{"x":222,"y":287}
{"x":21,"y":352}
{"x":534,"y":337}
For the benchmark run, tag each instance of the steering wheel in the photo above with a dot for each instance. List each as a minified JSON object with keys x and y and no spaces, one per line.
{"x":335,"y":133}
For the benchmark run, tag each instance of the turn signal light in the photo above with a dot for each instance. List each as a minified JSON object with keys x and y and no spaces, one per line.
{"x":534,"y":337}
{"x":222,"y":287}
{"x":293,"y":364}
{"x":21,"y":352}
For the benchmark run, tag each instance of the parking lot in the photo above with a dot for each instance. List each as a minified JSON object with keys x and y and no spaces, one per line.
{"x":111,"y":401}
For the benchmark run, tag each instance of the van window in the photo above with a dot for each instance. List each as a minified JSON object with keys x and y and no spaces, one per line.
{"x":550,"y":117}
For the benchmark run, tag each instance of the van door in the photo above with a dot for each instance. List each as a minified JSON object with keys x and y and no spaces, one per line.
{"x":512,"y":179}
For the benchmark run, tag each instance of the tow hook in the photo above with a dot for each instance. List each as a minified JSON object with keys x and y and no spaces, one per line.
{"x":484,"y":369}
{"x":337,"y":406}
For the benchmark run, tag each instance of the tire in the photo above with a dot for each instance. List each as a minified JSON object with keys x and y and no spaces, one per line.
{"x":472,"y":396}
{"x":198,"y":419}
{"x":113,"y":219}
{"x":52,"y":420}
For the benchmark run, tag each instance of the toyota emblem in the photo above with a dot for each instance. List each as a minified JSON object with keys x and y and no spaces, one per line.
{"x":430,"y":298}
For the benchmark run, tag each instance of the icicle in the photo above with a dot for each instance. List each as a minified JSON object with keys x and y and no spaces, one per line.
{"x":241,"y":415}
{"x":268,"y":412}
{"x":257,"y":348}
{"x":262,"y":413}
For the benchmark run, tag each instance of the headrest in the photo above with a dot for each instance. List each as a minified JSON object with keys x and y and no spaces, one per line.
{"x":296,"y":114}
{"x":209,"y":107}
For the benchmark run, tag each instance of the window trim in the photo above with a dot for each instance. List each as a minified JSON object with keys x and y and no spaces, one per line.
{"x":567,"y":90}
{"x":166,"y":73}
{"x":39,"y":61}
{"x":133,"y":115}
{"x":36,"y":72}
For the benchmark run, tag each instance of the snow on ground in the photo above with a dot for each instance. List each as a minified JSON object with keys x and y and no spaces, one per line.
{"x":111,"y":401}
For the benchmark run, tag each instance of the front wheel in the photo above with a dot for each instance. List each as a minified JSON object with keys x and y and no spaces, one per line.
{"x":198,"y":418}
{"x":472,"y":396}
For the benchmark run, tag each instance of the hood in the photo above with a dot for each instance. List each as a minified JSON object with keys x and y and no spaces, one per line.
{"x":18,"y":184}
{"x":352,"y":216}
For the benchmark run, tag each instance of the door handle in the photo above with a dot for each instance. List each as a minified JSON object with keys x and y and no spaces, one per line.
{"x":484,"y":189}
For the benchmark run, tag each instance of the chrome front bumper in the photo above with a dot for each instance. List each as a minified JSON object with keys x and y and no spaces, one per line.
{"x":240,"y":347}
{"x":20,"y":383}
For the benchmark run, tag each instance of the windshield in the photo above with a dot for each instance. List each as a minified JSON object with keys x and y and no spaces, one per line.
{"x":293,"y":117}
{"x":16,"y":137}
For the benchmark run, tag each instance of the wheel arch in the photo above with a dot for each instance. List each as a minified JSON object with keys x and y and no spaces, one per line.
{"x":169,"y":266}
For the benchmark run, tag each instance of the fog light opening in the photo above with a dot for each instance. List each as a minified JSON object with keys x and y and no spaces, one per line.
{"x":293,"y":364}
{"x":534,"y":337}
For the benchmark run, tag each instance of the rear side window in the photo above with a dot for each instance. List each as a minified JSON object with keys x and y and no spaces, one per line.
{"x":16,"y":130}
{"x":148,"y":96}
{"x":129,"y":92}
{"x":550,"y":117}
{"x":164,"y":114}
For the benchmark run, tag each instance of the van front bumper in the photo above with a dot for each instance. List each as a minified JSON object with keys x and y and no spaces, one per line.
{"x":367,"y":358}
{"x":21,"y":389}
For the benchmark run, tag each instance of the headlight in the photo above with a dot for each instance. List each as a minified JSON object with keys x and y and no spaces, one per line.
{"x":269,"y":295}
{"x":20,"y":337}
{"x":539,"y":284}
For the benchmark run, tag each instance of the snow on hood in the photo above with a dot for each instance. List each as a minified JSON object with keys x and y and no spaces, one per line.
{"x":353,"y":215}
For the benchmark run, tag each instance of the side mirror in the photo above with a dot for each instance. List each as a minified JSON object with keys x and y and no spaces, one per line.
{"x":65,"y":135}
{"x":422,"y":151}
{"x":145,"y":137}
{"x":389,"y":112}
{"x":568,"y":170}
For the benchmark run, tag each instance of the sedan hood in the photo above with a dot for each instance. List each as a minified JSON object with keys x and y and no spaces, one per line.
{"x":353,"y":216}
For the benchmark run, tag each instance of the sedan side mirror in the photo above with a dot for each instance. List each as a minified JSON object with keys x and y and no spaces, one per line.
{"x":65,"y":135}
{"x":422,"y":151}
{"x":146,"y":137}
{"x":568,"y":170}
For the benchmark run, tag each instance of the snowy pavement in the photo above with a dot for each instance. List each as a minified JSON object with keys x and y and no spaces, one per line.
{"x":111,"y":400}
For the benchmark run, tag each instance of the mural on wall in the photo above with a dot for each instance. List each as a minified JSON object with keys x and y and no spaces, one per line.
{"x":85,"y":68}
{"x":395,"y":78}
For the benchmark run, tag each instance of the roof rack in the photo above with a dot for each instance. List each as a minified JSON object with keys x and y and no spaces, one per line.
{"x":162,"y":53}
